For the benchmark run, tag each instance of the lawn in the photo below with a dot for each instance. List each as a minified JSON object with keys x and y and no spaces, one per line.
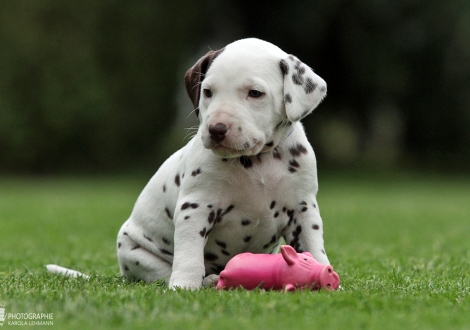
{"x":400,"y":244}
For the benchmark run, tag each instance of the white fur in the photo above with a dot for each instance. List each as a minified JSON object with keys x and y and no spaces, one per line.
{"x":207,"y":176}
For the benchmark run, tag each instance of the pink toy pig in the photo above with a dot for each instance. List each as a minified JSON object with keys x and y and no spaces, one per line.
{"x":288,"y":270}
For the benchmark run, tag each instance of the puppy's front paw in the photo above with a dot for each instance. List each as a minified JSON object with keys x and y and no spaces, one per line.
{"x":186,"y":286}
{"x":185,"y":283}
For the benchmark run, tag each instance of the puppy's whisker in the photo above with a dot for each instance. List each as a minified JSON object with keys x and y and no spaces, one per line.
{"x":198,"y":84}
{"x":191,"y":136}
{"x":190,"y":132}
{"x":191,"y":113}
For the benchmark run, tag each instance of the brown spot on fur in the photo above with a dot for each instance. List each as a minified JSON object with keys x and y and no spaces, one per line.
{"x":189,"y":205}
{"x":284,"y":67}
{"x":177,"y":180}
{"x":288,"y":98}
{"x":168,"y":213}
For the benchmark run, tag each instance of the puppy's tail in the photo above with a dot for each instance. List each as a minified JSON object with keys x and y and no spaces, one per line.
{"x":65,"y":271}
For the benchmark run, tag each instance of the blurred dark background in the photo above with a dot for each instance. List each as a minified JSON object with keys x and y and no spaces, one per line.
{"x":97,"y":86}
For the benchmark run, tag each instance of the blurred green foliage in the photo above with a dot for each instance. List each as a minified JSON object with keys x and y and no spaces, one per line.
{"x":93,"y":85}
{"x":87,"y":84}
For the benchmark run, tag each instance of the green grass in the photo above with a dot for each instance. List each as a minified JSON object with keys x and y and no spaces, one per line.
{"x":399,"y":242}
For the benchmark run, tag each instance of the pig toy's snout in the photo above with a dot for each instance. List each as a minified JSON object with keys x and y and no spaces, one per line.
{"x":329,"y":279}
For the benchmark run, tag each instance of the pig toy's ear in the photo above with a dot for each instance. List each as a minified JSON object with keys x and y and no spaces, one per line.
{"x":303,"y":89}
{"x":308,"y":254}
{"x":289,"y":254}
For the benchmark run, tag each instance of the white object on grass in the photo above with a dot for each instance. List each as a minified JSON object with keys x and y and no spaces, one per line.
{"x":65,"y":271}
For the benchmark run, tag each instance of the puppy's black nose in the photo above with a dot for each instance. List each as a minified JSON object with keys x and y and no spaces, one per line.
{"x":217,"y":132}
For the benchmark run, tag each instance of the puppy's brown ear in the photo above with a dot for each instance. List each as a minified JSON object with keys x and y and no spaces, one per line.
{"x":195,"y":75}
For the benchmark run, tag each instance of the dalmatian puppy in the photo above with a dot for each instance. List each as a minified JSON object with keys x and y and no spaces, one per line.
{"x":247,"y":179}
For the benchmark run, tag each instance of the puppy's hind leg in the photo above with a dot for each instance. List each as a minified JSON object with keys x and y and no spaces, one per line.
{"x":137,"y":263}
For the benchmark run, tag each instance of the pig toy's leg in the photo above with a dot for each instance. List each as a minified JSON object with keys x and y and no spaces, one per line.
{"x":304,"y":231}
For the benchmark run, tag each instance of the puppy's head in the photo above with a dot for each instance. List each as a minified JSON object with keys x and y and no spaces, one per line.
{"x":248,"y":94}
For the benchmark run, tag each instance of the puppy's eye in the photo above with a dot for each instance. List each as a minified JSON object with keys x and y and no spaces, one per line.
{"x":254,"y":93}
{"x":207,"y":92}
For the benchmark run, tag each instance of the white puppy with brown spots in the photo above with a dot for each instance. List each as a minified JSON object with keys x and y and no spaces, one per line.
{"x":246,"y":180}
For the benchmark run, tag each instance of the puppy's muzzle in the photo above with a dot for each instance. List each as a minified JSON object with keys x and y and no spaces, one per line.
{"x":217,"y":132}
